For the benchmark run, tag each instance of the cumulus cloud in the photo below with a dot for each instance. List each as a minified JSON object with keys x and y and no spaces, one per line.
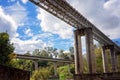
{"x":7,"y":23}
{"x":49,"y":23}
{"x":22,"y":46}
{"x":11,"y":17}
{"x":17,"y":12}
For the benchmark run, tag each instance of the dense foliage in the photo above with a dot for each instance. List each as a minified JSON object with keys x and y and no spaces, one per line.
{"x":65,"y":72}
{"x":41,"y":74}
{"x":6,"y":48}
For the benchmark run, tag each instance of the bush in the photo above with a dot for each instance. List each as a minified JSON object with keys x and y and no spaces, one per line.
{"x":41,"y":74}
{"x":64,"y":72}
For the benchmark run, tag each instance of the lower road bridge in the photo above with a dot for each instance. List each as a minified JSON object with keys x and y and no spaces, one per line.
{"x":20,"y":56}
{"x":35,"y":59}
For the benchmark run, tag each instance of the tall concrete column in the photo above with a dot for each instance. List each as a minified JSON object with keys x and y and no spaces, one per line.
{"x":105,"y":59}
{"x":35,"y":64}
{"x":90,"y":50}
{"x":116,"y":62}
{"x":112,"y":54}
{"x":69,"y":68}
{"x":78,"y":52}
{"x":55,"y":68}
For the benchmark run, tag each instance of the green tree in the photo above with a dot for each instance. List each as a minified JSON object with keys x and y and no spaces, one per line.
{"x":36,"y":52}
{"x":65,"y":72}
{"x":71,"y":49}
{"x":41,"y":74}
{"x":27,"y":53}
{"x":52,"y":51}
{"x":99,"y":64}
{"x":6,"y":48}
{"x":41,"y":53}
{"x":22,"y":64}
{"x":85,"y":68}
{"x":63,"y":55}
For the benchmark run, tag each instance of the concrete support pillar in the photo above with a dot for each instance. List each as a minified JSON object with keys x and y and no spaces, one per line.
{"x":105,"y":60}
{"x":55,"y":68}
{"x":112,"y":54}
{"x":78,"y":52}
{"x":90,"y":50}
{"x":69,"y":68}
{"x":116,"y":62}
{"x":35,"y":64}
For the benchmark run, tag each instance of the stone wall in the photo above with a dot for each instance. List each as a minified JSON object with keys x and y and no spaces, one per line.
{"x":8,"y":73}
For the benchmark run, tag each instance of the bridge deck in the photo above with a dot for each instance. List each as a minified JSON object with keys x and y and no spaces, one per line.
{"x":43,"y":58}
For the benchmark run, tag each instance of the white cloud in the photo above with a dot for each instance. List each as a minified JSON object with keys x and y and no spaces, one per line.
{"x":113,"y":6}
{"x":7,"y":23}
{"x":49,"y":23}
{"x":24,"y":1}
{"x":29,"y":33}
{"x":17,"y":12}
{"x":11,"y":17}
{"x":22,"y":46}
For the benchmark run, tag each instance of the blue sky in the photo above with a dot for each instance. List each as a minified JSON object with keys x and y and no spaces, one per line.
{"x":31,"y":28}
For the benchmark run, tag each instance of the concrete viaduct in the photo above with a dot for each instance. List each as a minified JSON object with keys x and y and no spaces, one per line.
{"x":35,"y":60}
{"x":68,"y":14}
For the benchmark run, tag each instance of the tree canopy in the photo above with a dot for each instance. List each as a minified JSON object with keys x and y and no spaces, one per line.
{"x":6,"y":48}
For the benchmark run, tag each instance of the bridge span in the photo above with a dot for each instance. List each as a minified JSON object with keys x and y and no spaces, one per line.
{"x":35,"y":60}
{"x":64,"y":11}
{"x":20,"y":56}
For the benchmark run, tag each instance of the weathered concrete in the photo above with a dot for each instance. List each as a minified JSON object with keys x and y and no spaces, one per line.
{"x":113,"y":59}
{"x":35,"y":64}
{"x":78,"y":52}
{"x":87,"y":32}
{"x":90,"y":50}
{"x":55,"y":68}
{"x":112,"y":55}
{"x":105,"y":59}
